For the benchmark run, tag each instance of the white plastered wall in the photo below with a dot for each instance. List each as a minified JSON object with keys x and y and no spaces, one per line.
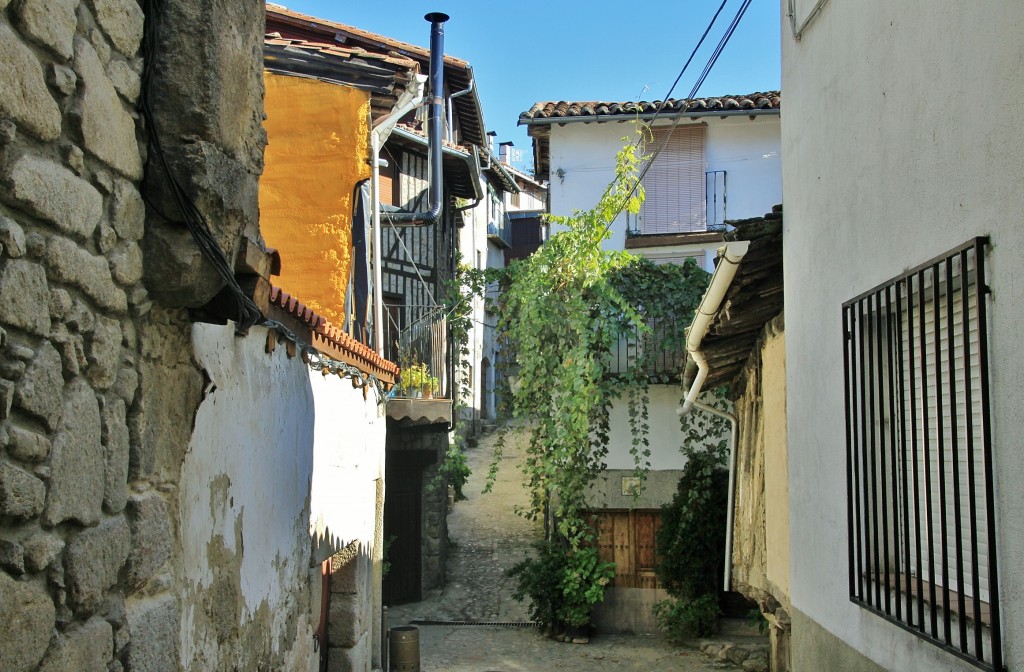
{"x":748,"y":149}
{"x":244,"y":496}
{"x":901,"y":139}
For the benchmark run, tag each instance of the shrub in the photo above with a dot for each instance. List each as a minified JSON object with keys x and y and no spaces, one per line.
{"x":681,"y":618}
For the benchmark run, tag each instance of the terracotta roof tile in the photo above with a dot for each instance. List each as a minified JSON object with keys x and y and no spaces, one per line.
{"x":383,"y":40}
{"x":339,"y":51}
{"x":323,"y":330}
{"x":767,"y":100}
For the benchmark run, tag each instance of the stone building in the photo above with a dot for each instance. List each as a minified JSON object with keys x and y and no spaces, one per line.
{"x":159,"y":441}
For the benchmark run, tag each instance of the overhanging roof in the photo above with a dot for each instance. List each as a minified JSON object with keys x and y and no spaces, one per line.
{"x":754,"y":298}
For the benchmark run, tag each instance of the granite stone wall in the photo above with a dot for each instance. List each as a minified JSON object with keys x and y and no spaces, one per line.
{"x":98,"y":387}
{"x":78,"y":536}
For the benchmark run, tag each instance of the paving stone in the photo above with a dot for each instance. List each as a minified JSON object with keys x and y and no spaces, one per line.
{"x":26,"y":99}
{"x":6,"y":398}
{"x":126,"y":384}
{"x":93,"y":559}
{"x":51,"y":23}
{"x":12,"y":237}
{"x":77,"y":460}
{"x":60,"y":303}
{"x":40,"y":391}
{"x":62,"y":78}
{"x":106,"y":238}
{"x":41,"y":550}
{"x":28,"y":617}
{"x":108,"y":130}
{"x":122,"y":21}
{"x":152,"y":538}
{"x":71,"y":264}
{"x":27,"y":445}
{"x":153,"y":624}
{"x":52,"y":192}
{"x":23,"y":294}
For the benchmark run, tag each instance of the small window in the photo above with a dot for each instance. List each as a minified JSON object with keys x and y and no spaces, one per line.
{"x":919,"y":455}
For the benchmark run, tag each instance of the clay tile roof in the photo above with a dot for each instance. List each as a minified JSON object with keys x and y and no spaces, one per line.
{"x":552,"y":110}
{"x":329,"y":338}
{"x":382,"y":40}
{"x":338,"y":51}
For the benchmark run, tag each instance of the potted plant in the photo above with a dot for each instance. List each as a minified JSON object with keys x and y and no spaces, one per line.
{"x":414,"y":377}
{"x":429,"y":386}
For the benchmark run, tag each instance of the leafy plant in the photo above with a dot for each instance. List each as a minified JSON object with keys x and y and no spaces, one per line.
{"x":756,"y":619}
{"x":561,"y":313}
{"x":455,"y":469}
{"x":681,"y":618}
{"x":562,"y":586}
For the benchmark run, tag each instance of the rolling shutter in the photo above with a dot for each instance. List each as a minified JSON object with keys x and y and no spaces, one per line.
{"x":674,"y":184}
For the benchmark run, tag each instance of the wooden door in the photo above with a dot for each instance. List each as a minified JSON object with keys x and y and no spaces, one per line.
{"x":627,"y":538}
{"x":402,"y":533}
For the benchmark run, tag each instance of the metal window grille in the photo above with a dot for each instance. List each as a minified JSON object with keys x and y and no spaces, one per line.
{"x":921,"y":519}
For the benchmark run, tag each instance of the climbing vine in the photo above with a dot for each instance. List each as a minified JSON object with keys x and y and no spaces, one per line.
{"x":457,"y":299}
{"x":562,"y":312}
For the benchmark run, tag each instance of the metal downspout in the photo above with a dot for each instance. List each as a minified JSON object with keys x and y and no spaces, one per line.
{"x":435,"y":123}
{"x":457,"y":94}
{"x":731,"y":254}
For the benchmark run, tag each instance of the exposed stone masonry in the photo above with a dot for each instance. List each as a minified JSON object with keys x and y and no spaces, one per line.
{"x":82,"y":544}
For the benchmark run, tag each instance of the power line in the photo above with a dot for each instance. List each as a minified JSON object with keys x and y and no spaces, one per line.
{"x":693,"y":92}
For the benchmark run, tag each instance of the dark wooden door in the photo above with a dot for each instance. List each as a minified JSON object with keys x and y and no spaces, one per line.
{"x":402,"y":530}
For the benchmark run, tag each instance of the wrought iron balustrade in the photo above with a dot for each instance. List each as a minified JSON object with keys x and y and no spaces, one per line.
{"x":660,"y":351}
{"x":416,"y":336}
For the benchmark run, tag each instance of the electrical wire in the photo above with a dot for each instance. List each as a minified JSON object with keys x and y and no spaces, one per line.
{"x":693,"y":92}
{"x":248,"y":313}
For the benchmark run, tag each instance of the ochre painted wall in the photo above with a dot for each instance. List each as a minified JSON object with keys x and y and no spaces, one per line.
{"x":318,"y":148}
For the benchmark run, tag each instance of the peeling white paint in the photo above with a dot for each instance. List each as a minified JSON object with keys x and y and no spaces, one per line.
{"x":248,"y":472}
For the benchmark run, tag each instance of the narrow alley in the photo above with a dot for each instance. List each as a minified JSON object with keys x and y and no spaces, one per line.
{"x":454,"y":630}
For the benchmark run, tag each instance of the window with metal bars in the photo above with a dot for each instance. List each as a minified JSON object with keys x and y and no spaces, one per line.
{"x":675,"y":182}
{"x":919,"y":455}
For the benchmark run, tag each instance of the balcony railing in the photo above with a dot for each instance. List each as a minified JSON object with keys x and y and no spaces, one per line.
{"x":417,"y":338}
{"x":660,"y":351}
{"x":501,"y":231}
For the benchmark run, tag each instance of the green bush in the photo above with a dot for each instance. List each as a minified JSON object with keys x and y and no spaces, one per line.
{"x":691,"y":542}
{"x":691,"y":548}
{"x":681,"y":618}
{"x":563,"y":584}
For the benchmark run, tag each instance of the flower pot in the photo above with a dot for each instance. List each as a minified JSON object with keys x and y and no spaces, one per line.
{"x":428,"y":393}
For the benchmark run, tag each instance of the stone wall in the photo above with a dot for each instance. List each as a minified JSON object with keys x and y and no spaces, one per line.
{"x":428,"y":444}
{"x":98,"y":384}
{"x":79,"y":534}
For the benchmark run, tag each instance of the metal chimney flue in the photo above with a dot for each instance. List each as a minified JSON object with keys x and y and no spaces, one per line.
{"x":435,"y":129}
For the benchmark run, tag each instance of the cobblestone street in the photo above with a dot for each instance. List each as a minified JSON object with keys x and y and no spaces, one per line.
{"x":488,"y":538}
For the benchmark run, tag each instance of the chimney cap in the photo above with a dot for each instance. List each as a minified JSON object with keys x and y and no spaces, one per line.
{"x":439,"y":17}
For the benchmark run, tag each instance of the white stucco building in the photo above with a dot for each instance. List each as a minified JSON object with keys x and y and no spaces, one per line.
{"x":719,"y":159}
{"x":903,"y":179}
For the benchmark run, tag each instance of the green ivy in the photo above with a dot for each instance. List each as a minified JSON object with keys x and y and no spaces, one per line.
{"x":561,"y":313}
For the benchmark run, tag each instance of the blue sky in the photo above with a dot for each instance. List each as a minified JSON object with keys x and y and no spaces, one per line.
{"x":528,"y":51}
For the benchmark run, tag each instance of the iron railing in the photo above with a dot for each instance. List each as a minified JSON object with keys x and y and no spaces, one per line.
{"x":921,"y":515}
{"x":501,"y":230}
{"x":660,"y":351}
{"x":417,"y":338}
